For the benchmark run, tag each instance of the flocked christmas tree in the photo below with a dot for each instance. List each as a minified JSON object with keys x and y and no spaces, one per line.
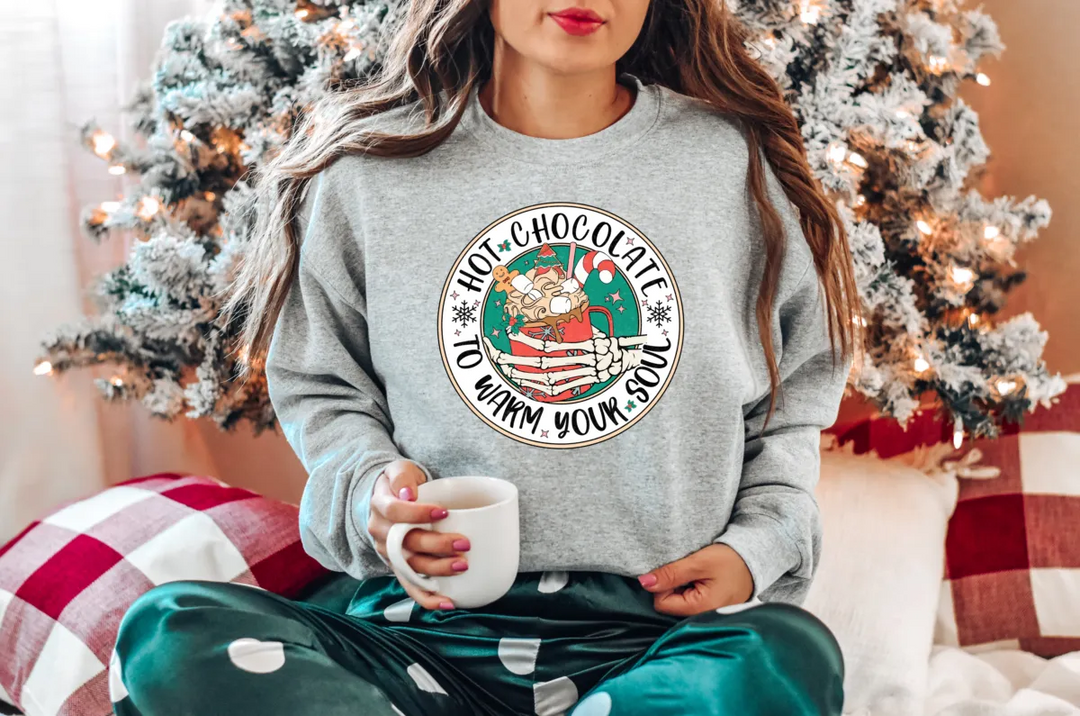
{"x":874,"y":84}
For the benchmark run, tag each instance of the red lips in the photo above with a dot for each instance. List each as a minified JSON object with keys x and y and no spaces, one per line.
{"x":577,"y":20}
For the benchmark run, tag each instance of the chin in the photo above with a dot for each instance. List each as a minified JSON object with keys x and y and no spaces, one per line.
{"x":575,"y":59}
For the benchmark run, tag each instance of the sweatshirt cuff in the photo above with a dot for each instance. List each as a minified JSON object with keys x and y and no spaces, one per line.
{"x":361,"y":499}
{"x":765,"y":547}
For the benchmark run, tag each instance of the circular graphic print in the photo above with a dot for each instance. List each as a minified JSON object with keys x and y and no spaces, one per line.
{"x":560,"y":325}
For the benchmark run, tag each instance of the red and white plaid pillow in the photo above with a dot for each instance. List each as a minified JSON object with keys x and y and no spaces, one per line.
{"x":1012,"y":554}
{"x":66,"y":581}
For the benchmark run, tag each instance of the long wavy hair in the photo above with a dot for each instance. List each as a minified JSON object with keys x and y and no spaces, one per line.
{"x":443,"y":48}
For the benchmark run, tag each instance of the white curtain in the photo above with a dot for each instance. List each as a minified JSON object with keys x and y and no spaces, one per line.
{"x":61,"y":63}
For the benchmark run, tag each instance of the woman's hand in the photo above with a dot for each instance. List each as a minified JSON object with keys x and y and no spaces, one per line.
{"x":713,"y":577}
{"x":434,"y":553}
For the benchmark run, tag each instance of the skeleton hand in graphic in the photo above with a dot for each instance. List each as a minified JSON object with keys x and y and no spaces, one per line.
{"x":596,"y":360}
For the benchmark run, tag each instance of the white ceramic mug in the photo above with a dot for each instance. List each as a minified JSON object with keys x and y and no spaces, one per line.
{"x":485,"y":511}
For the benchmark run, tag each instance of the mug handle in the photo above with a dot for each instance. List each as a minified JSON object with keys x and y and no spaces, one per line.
{"x":396,"y":551}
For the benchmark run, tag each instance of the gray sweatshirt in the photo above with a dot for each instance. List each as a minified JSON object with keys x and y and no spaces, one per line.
{"x":576,"y":316}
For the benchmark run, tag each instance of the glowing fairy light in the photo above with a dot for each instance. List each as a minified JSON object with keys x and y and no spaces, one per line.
{"x":302,"y":14}
{"x":924,"y":227}
{"x":983,"y":79}
{"x":809,"y":12}
{"x":858,"y":160}
{"x":921,"y":365}
{"x":103,"y":143}
{"x":148,"y":207}
{"x":836,"y":152}
{"x":961,"y":275}
{"x":187,"y":136}
{"x":43,"y":368}
{"x":991,"y":232}
{"x":1005,"y":386}
{"x":117,"y":381}
{"x":860,"y":200}
{"x":958,"y":434}
{"x":973,"y":320}
{"x":352,"y":54}
{"x":117,"y":169}
{"x":109,"y":206}
{"x":938,"y":64}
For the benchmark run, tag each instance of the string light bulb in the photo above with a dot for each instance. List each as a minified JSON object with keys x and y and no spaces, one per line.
{"x":991,"y":232}
{"x":117,"y":169}
{"x":1005,"y":386}
{"x":116,"y":380}
{"x":858,"y":160}
{"x":983,"y":79}
{"x":924,"y":227}
{"x":962,"y":275}
{"x":148,"y":207}
{"x":43,"y":368}
{"x":809,"y":12}
{"x":302,"y":14}
{"x":109,"y":206}
{"x":938,"y":64}
{"x":973,"y":320}
{"x":836,"y":152}
{"x":103,"y":143}
{"x":958,"y":433}
{"x":921,"y":365}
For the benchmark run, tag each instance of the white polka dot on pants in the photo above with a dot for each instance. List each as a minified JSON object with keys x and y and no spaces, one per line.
{"x":519,"y":655}
{"x":117,"y":690}
{"x":424,"y":680}
{"x":599,"y":704}
{"x":257,"y":657}
{"x":736,"y":608}
{"x":555,"y":697}
{"x":553,"y":581}
{"x":399,"y":611}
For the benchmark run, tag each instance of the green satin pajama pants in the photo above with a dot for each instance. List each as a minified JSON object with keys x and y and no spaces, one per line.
{"x":580,"y":643}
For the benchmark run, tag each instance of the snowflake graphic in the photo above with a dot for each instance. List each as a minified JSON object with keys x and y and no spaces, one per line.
{"x":659,"y":313}
{"x":463,"y":313}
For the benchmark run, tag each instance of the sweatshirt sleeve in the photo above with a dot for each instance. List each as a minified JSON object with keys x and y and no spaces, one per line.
{"x":775,"y":524}
{"x":324,"y":389}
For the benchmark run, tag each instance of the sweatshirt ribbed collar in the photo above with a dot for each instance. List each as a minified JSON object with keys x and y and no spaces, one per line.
{"x":632,"y":126}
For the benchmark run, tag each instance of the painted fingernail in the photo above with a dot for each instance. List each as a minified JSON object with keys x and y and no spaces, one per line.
{"x":406,"y":494}
{"x":459,"y":566}
{"x":647,"y":580}
{"x":438,"y":513}
{"x":462,"y":545}
{"x":446,"y":605}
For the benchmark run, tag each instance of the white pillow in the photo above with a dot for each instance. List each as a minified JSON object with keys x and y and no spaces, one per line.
{"x":879,"y":580}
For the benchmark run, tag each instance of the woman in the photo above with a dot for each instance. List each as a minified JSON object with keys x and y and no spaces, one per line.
{"x":655,"y":389}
